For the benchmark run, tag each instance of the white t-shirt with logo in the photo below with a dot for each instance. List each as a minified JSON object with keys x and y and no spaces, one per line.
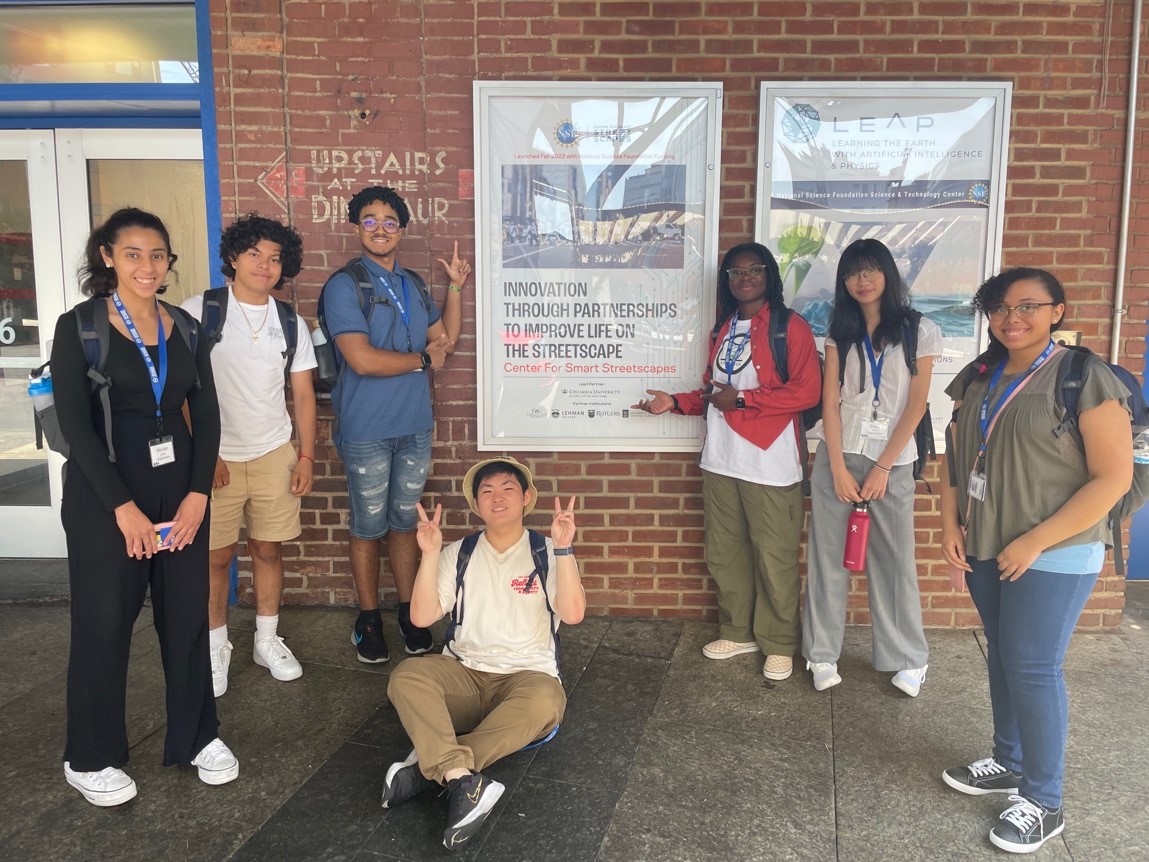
{"x":249,"y":378}
{"x":505,"y":628}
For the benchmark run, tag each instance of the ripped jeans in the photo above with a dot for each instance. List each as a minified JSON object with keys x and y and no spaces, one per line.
{"x":385,"y":480}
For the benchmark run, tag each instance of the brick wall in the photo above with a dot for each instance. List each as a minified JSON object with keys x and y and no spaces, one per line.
{"x":317,"y":99}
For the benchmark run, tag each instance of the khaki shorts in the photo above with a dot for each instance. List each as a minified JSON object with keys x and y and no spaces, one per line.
{"x":258,"y":497}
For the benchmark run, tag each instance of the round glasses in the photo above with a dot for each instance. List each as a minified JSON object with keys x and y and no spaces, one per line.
{"x":389,"y":225}
{"x":863,"y":275}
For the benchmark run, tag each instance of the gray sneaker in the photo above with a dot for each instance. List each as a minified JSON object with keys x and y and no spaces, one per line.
{"x":404,"y":782}
{"x":982,"y":777}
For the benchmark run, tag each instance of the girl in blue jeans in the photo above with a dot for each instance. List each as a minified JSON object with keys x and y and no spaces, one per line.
{"x":1024,"y":506}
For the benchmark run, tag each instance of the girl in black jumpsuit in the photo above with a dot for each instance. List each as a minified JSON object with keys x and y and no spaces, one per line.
{"x":109,"y":509}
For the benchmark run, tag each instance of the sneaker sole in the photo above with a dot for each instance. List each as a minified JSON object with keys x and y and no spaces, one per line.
{"x":975,"y":791}
{"x":827,"y":683}
{"x":216,"y":777}
{"x":219,"y":692}
{"x":1010,"y":847}
{"x":474,"y":821}
{"x":778,"y":677}
{"x":906,"y":688}
{"x":282,"y":676}
{"x":105,"y":799}
{"x":422,"y":651}
{"x":395,"y":767}
{"x":722,"y":656}
{"x":363,"y":658}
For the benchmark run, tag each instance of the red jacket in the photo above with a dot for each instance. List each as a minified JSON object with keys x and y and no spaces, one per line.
{"x":773,"y":405}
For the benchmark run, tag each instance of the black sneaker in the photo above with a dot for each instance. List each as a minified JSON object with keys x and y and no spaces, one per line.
{"x":470,"y":800}
{"x":404,"y":781}
{"x":982,"y":777}
{"x":416,"y":641}
{"x":367,"y":638}
{"x":1027,"y":826}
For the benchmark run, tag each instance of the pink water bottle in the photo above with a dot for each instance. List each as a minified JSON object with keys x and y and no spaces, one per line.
{"x":857,"y":537}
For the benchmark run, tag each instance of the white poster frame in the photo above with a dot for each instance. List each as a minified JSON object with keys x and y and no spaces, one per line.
{"x":865,"y":106}
{"x":695,"y":287}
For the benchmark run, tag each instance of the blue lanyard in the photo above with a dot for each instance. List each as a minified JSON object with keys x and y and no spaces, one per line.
{"x":875,"y":371}
{"x":402,"y":306}
{"x":159,"y":378}
{"x":735,"y":346}
{"x":986,"y":415}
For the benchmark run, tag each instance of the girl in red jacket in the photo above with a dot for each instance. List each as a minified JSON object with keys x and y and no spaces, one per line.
{"x":752,"y":460}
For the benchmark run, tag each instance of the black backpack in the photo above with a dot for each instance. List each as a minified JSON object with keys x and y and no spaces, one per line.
{"x":538,"y":557}
{"x":95,"y":332}
{"x":924,"y":432}
{"x":368,"y":299}
{"x":214,"y":315}
{"x":1071,"y":375}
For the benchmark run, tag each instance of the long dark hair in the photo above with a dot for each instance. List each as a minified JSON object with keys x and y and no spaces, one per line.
{"x":727,"y":304}
{"x":991,"y":295}
{"x":847,"y":324}
{"x":96,"y":277}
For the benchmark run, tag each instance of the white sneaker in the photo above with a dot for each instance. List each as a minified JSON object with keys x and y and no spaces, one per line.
{"x":220,"y":662}
{"x":274,"y":655}
{"x":910,"y":681}
{"x":216,"y":763}
{"x":105,"y":788}
{"x":825,"y":674}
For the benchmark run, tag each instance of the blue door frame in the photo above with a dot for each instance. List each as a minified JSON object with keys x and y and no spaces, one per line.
{"x":1139,"y":529}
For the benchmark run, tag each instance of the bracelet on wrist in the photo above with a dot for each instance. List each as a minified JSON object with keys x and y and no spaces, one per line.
{"x":880,"y":467}
{"x":308,"y":457}
{"x":675,"y":408}
{"x":564,"y":552}
{"x":455,"y":288}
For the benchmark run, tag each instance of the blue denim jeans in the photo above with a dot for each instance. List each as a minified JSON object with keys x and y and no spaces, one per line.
{"x":1027,"y":627}
{"x":385,"y":480}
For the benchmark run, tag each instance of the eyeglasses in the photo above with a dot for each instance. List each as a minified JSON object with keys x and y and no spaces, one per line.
{"x":863,"y":275}
{"x":754,"y":272}
{"x":1026,"y":309}
{"x":389,"y":225}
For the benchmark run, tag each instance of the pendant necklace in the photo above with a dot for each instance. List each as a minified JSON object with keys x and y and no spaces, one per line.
{"x":254,"y":330}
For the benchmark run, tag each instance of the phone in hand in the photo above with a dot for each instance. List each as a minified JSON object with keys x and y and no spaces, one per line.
{"x":163,"y":535}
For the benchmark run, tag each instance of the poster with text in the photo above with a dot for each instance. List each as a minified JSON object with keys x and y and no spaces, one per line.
{"x":595,"y":209}
{"x":920,"y":167}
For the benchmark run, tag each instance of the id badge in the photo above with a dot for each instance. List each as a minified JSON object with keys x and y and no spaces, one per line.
{"x":977,"y":486}
{"x":876,"y":429}
{"x":163,"y":451}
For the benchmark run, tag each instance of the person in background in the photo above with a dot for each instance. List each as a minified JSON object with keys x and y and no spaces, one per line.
{"x":867,"y":454}
{"x":162,"y":472}
{"x":1024,"y":510}
{"x":259,"y":478}
{"x":752,"y":461}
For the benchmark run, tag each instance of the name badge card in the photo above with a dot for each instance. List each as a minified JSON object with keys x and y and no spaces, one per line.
{"x":163,"y":451}
{"x":876,"y":429}
{"x":977,"y":486}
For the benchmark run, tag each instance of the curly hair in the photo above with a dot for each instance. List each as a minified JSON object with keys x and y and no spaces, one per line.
{"x":991,"y":294}
{"x":98,"y":278}
{"x":248,"y":231}
{"x":384,"y":194}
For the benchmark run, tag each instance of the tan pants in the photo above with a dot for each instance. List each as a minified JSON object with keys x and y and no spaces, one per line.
{"x":752,"y":538}
{"x":497,"y":714}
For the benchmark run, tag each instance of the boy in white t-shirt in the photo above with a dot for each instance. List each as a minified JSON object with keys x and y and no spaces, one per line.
{"x":497,"y":679}
{"x":259,"y":478}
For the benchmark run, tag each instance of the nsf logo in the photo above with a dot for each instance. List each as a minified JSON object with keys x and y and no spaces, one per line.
{"x":800,"y":124}
{"x":566,"y":133}
{"x":979,"y":193}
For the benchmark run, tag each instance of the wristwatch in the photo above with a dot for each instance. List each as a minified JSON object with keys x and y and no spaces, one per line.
{"x":426,"y":357}
{"x":740,"y":402}
{"x":564,"y":552}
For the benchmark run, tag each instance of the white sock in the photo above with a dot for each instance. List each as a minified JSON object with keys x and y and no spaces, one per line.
{"x":217,"y":637}
{"x":265,"y":627}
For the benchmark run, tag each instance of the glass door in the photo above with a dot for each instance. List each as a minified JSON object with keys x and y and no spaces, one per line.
{"x":54,"y":185}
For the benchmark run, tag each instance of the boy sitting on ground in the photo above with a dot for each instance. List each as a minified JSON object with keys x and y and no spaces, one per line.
{"x":496,"y":683}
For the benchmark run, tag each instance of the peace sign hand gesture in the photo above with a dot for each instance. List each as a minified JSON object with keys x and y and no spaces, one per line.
{"x":563,"y":524}
{"x":429,"y":536}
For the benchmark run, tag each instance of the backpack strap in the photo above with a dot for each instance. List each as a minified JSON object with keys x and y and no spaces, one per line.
{"x":542,"y":569}
{"x":95,"y":334}
{"x":1067,"y":392}
{"x":776,"y":331}
{"x":289,"y":323}
{"x":188,"y":328}
{"x":910,"y":340}
{"x":465,"y":550}
{"x":213,"y":314}
{"x":424,"y":293}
